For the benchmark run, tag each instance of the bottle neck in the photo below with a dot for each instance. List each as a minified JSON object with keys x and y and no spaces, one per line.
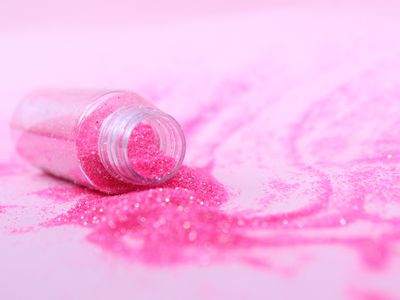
{"x":141,"y":145}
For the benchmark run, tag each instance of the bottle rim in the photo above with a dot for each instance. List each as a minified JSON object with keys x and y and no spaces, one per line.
{"x":116,"y":131}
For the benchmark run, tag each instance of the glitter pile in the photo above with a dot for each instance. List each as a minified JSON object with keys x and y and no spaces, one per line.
{"x":153,"y":224}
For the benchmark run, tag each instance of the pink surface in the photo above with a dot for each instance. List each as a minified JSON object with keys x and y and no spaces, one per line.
{"x":290,"y":188}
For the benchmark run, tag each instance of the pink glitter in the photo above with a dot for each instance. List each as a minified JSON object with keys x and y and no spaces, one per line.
{"x":162,"y":222}
{"x":145,"y":154}
{"x":183,"y":221}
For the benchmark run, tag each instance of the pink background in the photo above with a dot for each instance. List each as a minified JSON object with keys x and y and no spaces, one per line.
{"x":264,"y":89}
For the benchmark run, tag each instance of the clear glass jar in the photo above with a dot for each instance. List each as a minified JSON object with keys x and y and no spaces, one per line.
{"x":111,"y":141}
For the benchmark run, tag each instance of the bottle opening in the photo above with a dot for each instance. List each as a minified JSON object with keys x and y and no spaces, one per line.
{"x":141,"y":145}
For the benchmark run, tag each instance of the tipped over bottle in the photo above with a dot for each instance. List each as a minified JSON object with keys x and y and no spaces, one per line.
{"x":108,"y":141}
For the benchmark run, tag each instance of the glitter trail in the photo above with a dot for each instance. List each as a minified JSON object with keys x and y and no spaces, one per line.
{"x":183,"y":221}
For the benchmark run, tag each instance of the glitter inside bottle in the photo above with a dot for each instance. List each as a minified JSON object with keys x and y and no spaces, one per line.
{"x":108,"y":141}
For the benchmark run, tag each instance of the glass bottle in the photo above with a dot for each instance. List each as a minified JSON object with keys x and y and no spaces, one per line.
{"x":111,"y":141}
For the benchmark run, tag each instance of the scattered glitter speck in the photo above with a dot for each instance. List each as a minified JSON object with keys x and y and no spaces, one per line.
{"x":186,"y":225}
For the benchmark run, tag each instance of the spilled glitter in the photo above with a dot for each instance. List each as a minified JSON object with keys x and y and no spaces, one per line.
{"x":183,"y":220}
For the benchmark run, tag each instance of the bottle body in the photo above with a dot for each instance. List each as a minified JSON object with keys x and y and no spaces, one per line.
{"x":108,"y":141}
